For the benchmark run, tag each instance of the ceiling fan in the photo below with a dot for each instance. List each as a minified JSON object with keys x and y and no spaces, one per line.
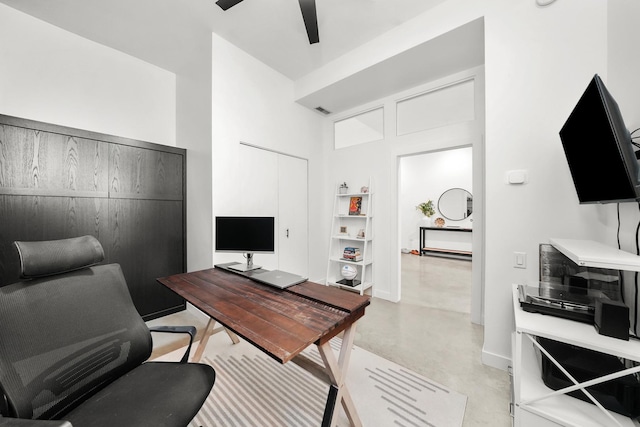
{"x":308,"y":8}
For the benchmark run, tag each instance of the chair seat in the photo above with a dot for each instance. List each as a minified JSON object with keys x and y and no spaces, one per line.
{"x":155,"y":394}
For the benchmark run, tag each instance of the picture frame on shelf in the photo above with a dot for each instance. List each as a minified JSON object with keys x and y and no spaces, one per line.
{"x":355,"y":205}
{"x":343,"y":230}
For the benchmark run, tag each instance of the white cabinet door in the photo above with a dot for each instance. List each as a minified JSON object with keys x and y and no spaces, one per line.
{"x":292,"y":222}
{"x":273,"y":184}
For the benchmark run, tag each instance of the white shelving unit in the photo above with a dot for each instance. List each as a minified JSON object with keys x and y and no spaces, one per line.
{"x":558,"y":409}
{"x":587,"y":253}
{"x":536,"y":405}
{"x":353,"y":225}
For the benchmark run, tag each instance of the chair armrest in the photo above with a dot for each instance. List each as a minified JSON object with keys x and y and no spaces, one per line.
{"x":191,"y":330}
{"x":18,"y":422}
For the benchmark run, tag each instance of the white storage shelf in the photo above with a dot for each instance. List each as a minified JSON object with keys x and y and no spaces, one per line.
{"x":559,"y":409}
{"x":353,"y":224}
{"x":587,"y":253}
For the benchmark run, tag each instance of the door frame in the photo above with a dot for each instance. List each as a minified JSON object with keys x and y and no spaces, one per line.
{"x":478,"y":241}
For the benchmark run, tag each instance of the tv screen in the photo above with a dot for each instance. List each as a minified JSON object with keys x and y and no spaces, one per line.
{"x":599,"y":149}
{"x":245,"y":234}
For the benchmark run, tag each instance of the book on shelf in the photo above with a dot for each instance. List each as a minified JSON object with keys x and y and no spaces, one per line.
{"x":352,"y":254}
{"x":355,"y":205}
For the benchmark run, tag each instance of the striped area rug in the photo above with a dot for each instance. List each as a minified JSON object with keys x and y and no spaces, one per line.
{"x":253,"y":390}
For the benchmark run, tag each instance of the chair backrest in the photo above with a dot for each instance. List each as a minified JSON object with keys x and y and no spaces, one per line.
{"x":67,"y":333}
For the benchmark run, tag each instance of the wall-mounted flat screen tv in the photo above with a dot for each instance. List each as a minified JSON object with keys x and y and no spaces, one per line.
{"x":599,"y":149}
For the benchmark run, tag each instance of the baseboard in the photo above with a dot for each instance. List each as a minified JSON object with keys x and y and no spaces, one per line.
{"x":495,"y":360}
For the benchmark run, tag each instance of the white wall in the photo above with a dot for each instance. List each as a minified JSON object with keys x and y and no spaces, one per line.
{"x":538,"y":61}
{"x":427,"y":176}
{"x":254,"y":104}
{"x":380,"y":160}
{"x":54,"y":76}
{"x":194,"y":123}
{"x":624,"y":84}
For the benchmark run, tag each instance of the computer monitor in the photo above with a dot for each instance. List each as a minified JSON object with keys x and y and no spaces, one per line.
{"x":246,"y":235}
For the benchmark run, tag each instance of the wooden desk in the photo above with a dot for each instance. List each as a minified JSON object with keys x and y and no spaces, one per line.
{"x":281,"y":323}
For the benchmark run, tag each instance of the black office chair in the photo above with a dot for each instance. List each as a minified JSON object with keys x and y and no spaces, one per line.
{"x":73,"y":347}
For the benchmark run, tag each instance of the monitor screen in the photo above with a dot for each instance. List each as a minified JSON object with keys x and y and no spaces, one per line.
{"x":245,"y":234}
{"x":599,"y":149}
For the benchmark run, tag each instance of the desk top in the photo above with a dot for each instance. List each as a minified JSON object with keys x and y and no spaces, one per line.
{"x":281,"y":323}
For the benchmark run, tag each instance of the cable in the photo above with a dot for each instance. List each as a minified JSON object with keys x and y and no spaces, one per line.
{"x":635,"y":305}
{"x":620,"y":272}
{"x":618,"y":233}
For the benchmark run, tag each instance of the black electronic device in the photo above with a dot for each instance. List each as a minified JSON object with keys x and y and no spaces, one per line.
{"x":246,"y":235}
{"x":611,"y":318}
{"x":560,"y":300}
{"x":599,"y":149}
{"x":621,"y":395}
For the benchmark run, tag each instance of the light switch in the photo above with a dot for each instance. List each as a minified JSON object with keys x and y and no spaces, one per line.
{"x":520,"y":260}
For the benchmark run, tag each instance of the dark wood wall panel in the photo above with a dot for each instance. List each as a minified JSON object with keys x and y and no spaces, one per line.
{"x":147,"y":174}
{"x":58,"y":182}
{"x":46,"y":218}
{"x":153,"y":231}
{"x":45,"y":163}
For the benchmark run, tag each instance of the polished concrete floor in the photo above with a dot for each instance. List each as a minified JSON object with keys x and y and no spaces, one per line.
{"x":430,"y":332}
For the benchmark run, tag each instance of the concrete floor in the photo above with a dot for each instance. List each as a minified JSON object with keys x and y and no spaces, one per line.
{"x":430,"y":332}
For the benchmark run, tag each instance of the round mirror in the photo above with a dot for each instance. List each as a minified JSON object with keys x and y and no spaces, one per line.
{"x":456,"y":204}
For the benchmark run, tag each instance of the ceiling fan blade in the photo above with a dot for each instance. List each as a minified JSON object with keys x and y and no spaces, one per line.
{"x":226,"y":4}
{"x":308,"y":8}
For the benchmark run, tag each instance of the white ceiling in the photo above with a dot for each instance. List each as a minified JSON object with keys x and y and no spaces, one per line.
{"x":168,"y":33}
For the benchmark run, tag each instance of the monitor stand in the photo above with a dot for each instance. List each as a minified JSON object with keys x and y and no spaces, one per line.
{"x":245,"y":267}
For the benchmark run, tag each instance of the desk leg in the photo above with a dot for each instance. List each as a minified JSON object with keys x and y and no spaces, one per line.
{"x":208,"y":331}
{"x":337,"y":371}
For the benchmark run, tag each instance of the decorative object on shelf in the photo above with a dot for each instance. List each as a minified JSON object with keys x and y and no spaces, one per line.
{"x":355,"y":205}
{"x":349,"y":273}
{"x":360,"y":234}
{"x":426,"y":208}
{"x":343,"y":230}
{"x":439,"y":222}
{"x":428,"y":211}
{"x":343,"y":189}
{"x":364,"y":189}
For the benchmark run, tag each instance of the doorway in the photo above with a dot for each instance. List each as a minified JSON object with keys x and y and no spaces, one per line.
{"x":444,"y":278}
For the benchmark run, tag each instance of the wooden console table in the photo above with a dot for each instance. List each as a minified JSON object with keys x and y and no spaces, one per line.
{"x":424,"y":250}
{"x":281,"y":323}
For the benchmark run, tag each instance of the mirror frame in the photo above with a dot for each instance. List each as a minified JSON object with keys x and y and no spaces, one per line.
{"x":469,"y":196}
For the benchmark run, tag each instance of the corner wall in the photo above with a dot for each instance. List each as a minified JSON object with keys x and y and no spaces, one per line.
{"x":51,"y":75}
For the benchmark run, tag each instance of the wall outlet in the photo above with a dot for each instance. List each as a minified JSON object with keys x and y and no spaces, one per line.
{"x":519,"y":260}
